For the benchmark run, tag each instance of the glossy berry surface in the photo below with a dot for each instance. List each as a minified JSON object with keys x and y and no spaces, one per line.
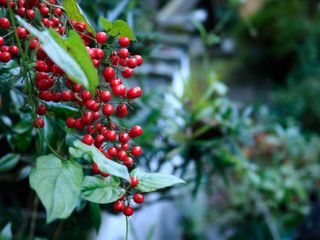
{"x":128,"y":211}
{"x":138,"y":198}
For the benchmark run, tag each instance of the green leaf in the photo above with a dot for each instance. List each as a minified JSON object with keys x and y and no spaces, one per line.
{"x":5,"y":121}
{"x":121,"y":29}
{"x":61,"y":110}
{"x":99,"y":190}
{"x":69,"y":54}
{"x":149,"y":182}
{"x":95,"y":213}
{"x":75,"y":13}
{"x":106,"y":24}
{"x":24,"y":172}
{"x":22,"y":127}
{"x":58,"y":185}
{"x":6,"y":232}
{"x":9,"y":161}
{"x":104,"y":164}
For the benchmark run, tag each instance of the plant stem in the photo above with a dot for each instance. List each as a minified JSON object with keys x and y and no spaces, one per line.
{"x":127,"y":228}
{"x":34,"y":217}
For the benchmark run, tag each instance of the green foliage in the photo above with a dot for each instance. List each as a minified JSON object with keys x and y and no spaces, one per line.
{"x":70,"y":54}
{"x":100,"y":190}
{"x":118,"y":29}
{"x":58,"y":185}
{"x":79,"y":149}
{"x":6,"y":232}
{"x":9,"y":161}
{"x":95,"y":213}
{"x":150,"y":182}
{"x":75,"y":12}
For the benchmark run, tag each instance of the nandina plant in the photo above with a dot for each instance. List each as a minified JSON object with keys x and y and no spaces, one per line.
{"x":64,"y":63}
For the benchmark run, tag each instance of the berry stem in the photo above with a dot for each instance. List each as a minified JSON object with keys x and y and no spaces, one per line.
{"x":127,"y":228}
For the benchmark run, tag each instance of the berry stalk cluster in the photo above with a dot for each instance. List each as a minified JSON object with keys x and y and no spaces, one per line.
{"x":97,"y":112}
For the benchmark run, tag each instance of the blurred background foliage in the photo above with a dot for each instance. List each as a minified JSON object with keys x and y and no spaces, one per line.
{"x":231,"y":106}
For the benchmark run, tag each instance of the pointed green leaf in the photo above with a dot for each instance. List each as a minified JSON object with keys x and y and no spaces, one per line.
{"x":58,"y":185}
{"x":75,"y":13}
{"x":8,"y":161}
{"x":69,"y":54}
{"x":106,"y":24}
{"x":6,"y":232}
{"x":95,"y":213}
{"x":121,"y":29}
{"x":104,"y":164}
{"x":149,"y":182}
{"x":99,"y":190}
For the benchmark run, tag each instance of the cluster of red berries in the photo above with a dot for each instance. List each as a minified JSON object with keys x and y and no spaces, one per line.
{"x":96,"y":112}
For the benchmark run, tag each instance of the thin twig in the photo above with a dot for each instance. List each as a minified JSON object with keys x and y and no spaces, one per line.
{"x":34,"y":217}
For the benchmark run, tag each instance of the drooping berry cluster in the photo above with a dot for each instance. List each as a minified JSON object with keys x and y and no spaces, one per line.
{"x":112,"y":99}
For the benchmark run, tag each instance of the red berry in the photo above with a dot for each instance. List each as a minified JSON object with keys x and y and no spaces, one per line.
{"x":128,"y":211}
{"x":4,"y":23}
{"x":78,"y":124}
{"x":5,"y":48}
{"x":95,"y":115}
{"x":138,"y":198}
{"x":123,"y":53}
{"x":88,"y":139}
{"x":127,"y":72}
{"x":112,"y":151}
{"x":101,"y":37}
{"x":87,"y":118}
{"x":107,"y":109}
{"x":108,"y":73}
{"x":103,"y":174}
{"x":33,"y":44}
{"x":115,"y":82}
{"x":132,"y":62}
{"x":99,"y":53}
{"x":105,"y":96}
{"x":129,"y":162}
{"x":90,"y":103}
{"x":119,"y":90}
{"x":70,"y":122}
{"x":45,"y":95}
{"x":80,"y":26}
{"x":135,"y":131}
{"x":136,"y":151}
{"x":95,"y":168}
{"x":44,"y":11}
{"x":86,"y":95}
{"x":118,"y":205}
{"x":41,"y":109}
{"x":38,"y":123}
{"x":5,"y":57}
{"x":122,"y":110}
{"x":31,"y":14}
{"x":58,"y":11}
{"x":100,"y":138}
{"x":14,"y":50}
{"x":121,"y":155}
{"x":123,"y":62}
{"x":77,"y":87}
{"x":124,"y":41}
{"x":134,"y":92}
{"x":1,"y":41}
{"x":66,"y":95}
{"x":134,"y":181}
{"x":110,"y":135}
{"x":139,"y":59}
{"x":125,"y":146}
{"x":123,"y":137}
{"x":22,"y":32}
